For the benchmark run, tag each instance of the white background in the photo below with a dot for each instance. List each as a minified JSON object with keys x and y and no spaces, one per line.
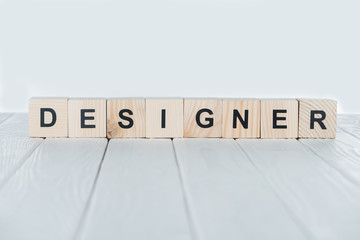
{"x":189,"y":48}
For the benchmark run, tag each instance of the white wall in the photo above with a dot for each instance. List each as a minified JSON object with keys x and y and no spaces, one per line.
{"x":221,"y":48}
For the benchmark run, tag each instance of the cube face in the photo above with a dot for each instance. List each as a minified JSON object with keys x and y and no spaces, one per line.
{"x":279,"y":118}
{"x":317,"y":118}
{"x":249,"y":111}
{"x":48,"y":117}
{"x":87,"y":117}
{"x":126,"y":118}
{"x":202,"y":118}
{"x":164,"y":118}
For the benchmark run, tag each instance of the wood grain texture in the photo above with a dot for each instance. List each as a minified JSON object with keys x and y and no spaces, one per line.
{"x":191,"y":109}
{"x":320,"y":197}
{"x":15,"y":145}
{"x":75,"y":107}
{"x":343,"y":154}
{"x":138,"y":114}
{"x":17,"y":125}
{"x":46,"y":197}
{"x":4,"y":117}
{"x":138,"y":194}
{"x":253,"y":123}
{"x":267,"y":111}
{"x":349,"y":123}
{"x":173,"y":121}
{"x":227,"y":197}
{"x":286,"y":188}
{"x":60,"y":127}
{"x":329,"y":107}
{"x":13,"y":153}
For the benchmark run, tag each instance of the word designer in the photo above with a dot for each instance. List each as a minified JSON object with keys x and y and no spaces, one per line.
{"x":177,"y":118}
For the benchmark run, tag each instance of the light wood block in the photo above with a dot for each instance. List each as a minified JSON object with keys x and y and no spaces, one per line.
{"x":241,"y":118}
{"x":202,"y":118}
{"x":87,"y":117}
{"x":164,"y":118}
{"x":126,"y":118}
{"x":317,"y":118}
{"x":279,"y":118}
{"x":48,"y":117}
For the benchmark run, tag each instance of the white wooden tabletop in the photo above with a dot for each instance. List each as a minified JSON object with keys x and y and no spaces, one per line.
{"x":182,"y":189}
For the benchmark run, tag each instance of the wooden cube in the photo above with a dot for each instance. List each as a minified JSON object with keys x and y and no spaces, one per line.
{"x":48,"y":117}
{"x":279,"y":118}
{"x":317,"y":118}
{"x":87,"y":117}
{"x":241,"y":118}
{"x":126,"y":118}
{"x":202,"y":118}
{"x":164,"y":118}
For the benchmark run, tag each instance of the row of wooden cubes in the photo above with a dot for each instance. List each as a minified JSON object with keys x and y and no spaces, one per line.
{"x":176,"y":118}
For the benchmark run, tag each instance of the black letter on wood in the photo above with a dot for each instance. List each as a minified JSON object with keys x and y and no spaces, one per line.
{"x":122,"y":116}
{"x":276,"y":118}
{"x":244,"y":123}
{"x":42,"y":117}
{"x":163,"y":115}
{"x":210,"y":120}
{"x":318,"y":120}
{"x":84,"y":118}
